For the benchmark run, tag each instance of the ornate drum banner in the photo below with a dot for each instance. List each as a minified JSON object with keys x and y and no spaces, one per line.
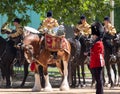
{"x":52,"y":43}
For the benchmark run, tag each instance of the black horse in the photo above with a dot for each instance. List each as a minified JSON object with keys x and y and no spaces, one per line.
{"x":108,"y":44}
{"x":16,"y":55}
{"x":74,"y":62}
{"x":117,"y":50}
{"x":7,"y":56}
{"x":81,"y":60}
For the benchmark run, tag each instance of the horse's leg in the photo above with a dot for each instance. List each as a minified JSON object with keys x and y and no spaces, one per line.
{"x":7,"y":75}
{"x":109,"y":74}
{"x":48,"y":86}
{"x":103,"y":73}
{"x":93,"y":79}
{"x":37,"y":85}
{"x":42,"y":79}
{"x":115,"y":73}
{"x":83,"y":73}
{"x":26,"y":64}
{"x":118,"y":66}
{"x":74,"y":75}
{"x":65,"y":85}
{"x":78,"y":73}
{"x":70,"y":73}
{"x":3,"y":80}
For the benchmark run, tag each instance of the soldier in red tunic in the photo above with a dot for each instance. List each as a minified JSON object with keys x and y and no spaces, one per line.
{"x":96,"y":56}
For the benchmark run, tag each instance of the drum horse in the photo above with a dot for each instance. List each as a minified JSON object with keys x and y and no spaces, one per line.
{"x":35,"y":50}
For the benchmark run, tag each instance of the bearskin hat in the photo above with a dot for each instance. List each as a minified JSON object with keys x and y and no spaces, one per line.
{"x":97,"y":29}
{"x":49,"y":14}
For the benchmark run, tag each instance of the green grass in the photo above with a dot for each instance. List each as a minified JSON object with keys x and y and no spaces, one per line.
{"x":53,"y":71}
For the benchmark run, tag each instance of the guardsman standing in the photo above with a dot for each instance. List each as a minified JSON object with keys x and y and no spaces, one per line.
{"x":97,"y":56}
{"x":17,"y":35}
{"x":49,"y":22}
{"x":84,"y":27}
{"x":109,"y":35}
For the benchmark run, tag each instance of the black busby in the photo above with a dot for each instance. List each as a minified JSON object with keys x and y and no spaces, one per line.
{"x":82,"y":17}
{"x":97,"y":29}
{"x":106,"y":18}
{"x":17,"y":20}
{"x":49,"y":14}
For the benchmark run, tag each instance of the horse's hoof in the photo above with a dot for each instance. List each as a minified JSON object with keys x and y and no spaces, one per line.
{"x":112,"y":86}
{"x":92,"y":85}
{"x":109,"y":85}
{"x":21,"y":85}
{"x":84,"y":85}
{"x":72,"y":86}
{"x":36,"y":90}
{"x":48,"y":89}
{"x":64,"y":88}
{"x":8,"y":86}
{"x":79,"y":86}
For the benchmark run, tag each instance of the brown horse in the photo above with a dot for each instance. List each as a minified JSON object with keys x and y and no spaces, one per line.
{"x":35,"y":51}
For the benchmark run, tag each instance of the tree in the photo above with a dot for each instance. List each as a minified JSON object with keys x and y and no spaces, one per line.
{"x":117,"y":18}
{"x":67,"y":11}
{"x":13,"y":8}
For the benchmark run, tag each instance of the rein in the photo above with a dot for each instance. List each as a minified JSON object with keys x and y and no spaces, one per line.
{"x":79,"y":37}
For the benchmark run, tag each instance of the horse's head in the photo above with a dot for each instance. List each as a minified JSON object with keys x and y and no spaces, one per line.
{"x":76,"y":31}
{"x":5,"y":29}
{"x":88,"y":42}
{"x":31,"y":45}
{"x":117,"y":39}
{"x":75,"y":48}
{"x":72,"y":41}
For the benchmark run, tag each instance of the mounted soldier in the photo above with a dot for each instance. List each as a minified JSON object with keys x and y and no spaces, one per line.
{"x":84,"y":27}
{"x":15,"y":38}
{"x":82,"y":32}
{"x":109,"y":45}
{"x":109,"y":35}
{"x":17,"y":34}
{"x":49,"y":23}
{"x":54,"y":34}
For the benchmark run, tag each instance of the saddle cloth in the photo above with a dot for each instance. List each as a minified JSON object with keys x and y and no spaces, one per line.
{"x":55,"y":43}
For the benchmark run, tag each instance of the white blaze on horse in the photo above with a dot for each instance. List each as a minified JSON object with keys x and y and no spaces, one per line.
{"x":39,"y":51}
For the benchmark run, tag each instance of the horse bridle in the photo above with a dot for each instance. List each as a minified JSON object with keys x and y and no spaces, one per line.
{"x":32,"y":54}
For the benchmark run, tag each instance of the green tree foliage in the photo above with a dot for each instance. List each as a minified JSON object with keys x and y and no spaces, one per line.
{"x":13,"y":8}
{"x":117,"y":17}
{"x":67,"y":11}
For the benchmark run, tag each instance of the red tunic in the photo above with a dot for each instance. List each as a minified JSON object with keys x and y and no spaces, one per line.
{"x":96,"y":50}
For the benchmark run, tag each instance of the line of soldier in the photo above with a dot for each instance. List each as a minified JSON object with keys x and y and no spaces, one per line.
{"x":50,"y":23}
